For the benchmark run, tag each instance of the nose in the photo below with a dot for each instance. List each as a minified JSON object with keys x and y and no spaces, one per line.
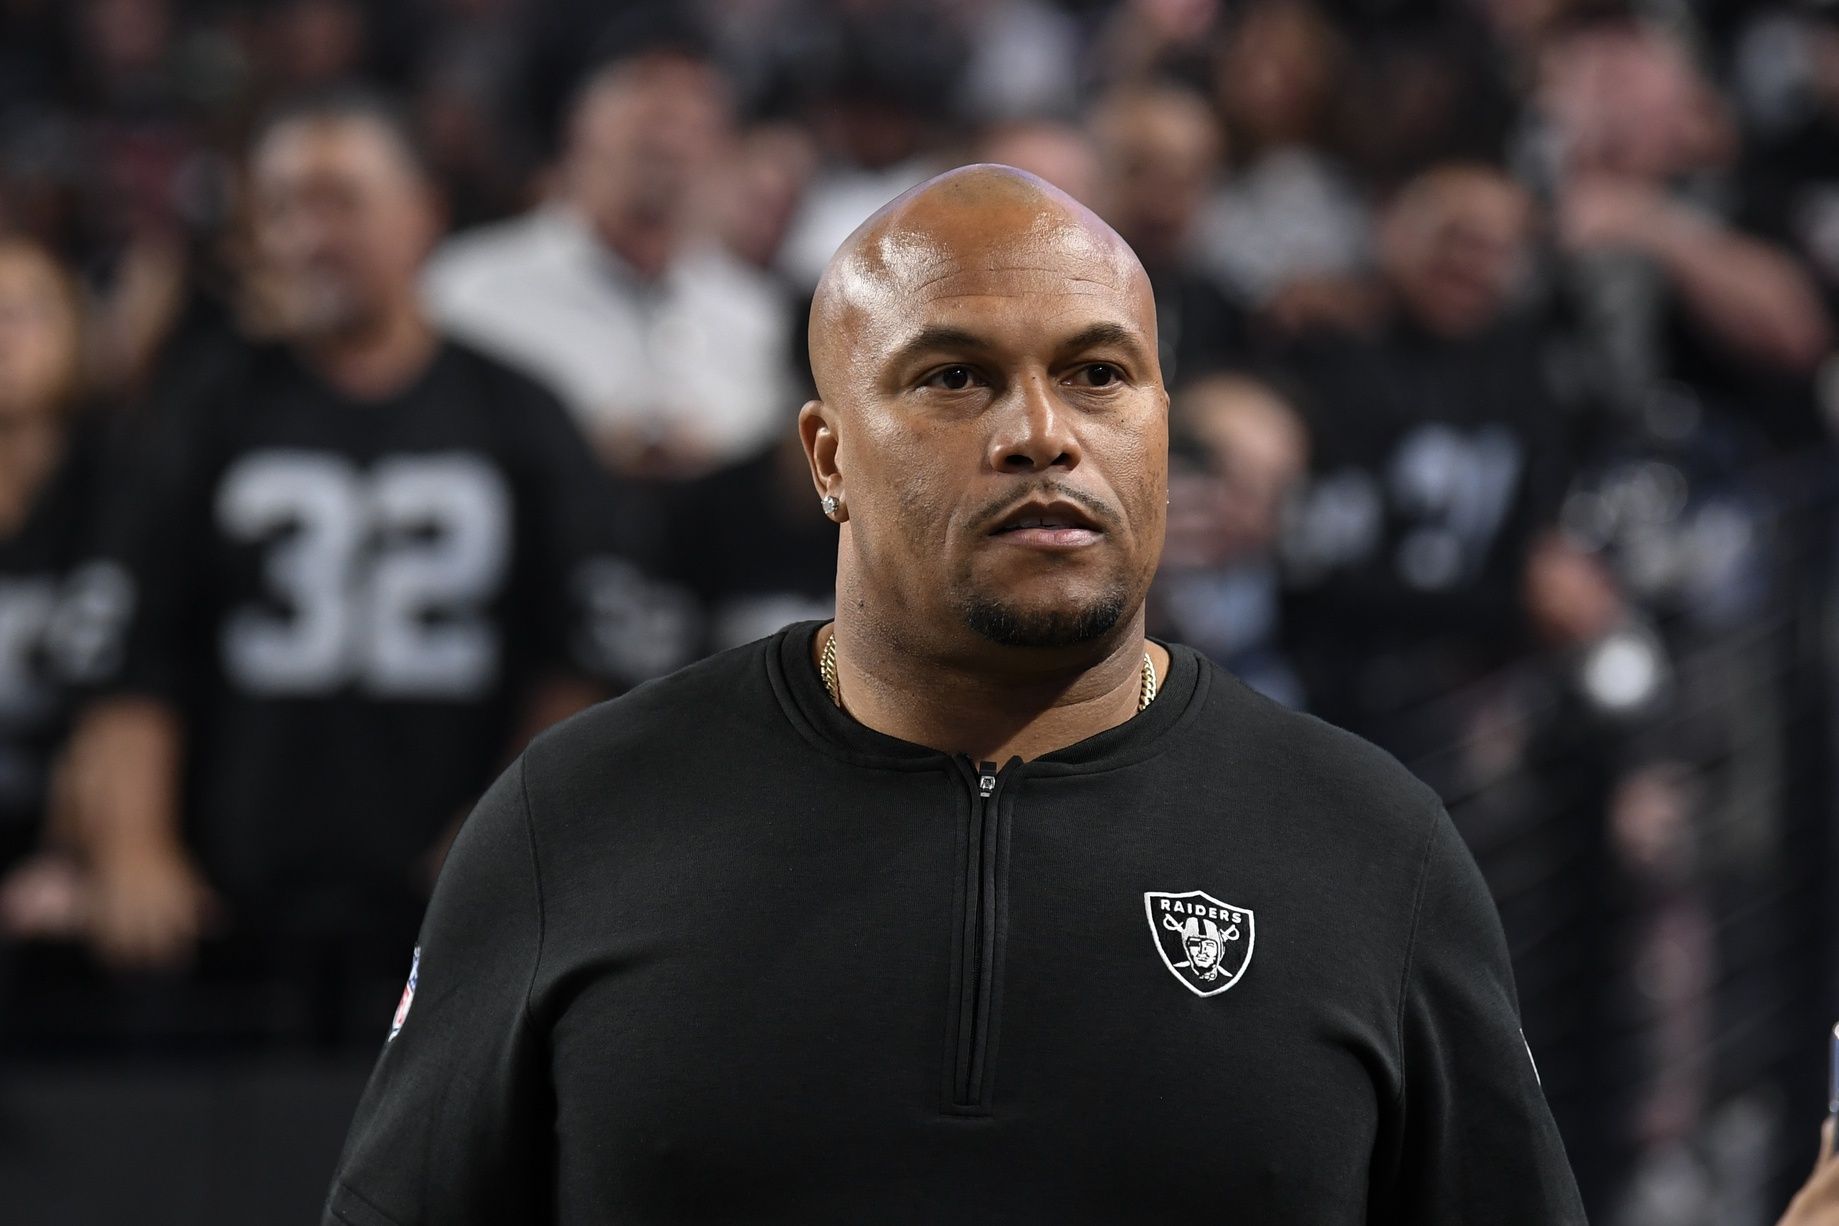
{"x":1035,"y":431}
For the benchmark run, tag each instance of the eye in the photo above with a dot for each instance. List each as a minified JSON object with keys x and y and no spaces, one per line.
{"x":1100,"y":374}
{"x":951,"y":378}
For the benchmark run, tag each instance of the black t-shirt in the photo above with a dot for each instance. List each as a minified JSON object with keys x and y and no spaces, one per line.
{"x":1435,"y":465}
{"x":348,"y":601}
{"x":754,"y":555}
{"x":1200,"y":329}
{"x":46,"y":590}
{"x":715,"y":952}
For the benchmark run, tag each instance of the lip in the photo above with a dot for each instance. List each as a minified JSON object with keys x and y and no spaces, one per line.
{"x":1055,"y":525}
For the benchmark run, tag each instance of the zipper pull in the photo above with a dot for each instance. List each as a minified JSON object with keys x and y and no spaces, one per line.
{"x":986,"y":779}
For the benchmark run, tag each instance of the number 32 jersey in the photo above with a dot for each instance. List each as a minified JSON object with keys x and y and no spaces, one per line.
{"x":347,"y":599}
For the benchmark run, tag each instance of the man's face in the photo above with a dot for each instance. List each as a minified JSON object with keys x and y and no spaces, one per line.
{"x":1158,"y":151}
{"x":646,"y":139}
{"x":342,"y":223}
{"x":1203,"y":952}
{"x":1455,"y":251}
{"x":1002,"y":429}
{"x":38,"y":332}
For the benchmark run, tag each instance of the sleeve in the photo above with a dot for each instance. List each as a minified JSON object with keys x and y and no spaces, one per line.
{"x":457,"y":1123}
{"x":1469,"y":1137}
{"x":600,"y":607}
{"x":134,"y":620}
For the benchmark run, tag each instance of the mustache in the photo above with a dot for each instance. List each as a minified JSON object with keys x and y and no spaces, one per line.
{"x":997,"y":508}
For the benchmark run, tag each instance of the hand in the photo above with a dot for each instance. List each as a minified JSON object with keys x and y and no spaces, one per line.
{"x":150,"y":908}
{"x":1570,"y":596}
{"x":46,"y":897}
{"x":1817,"y":1203}
{"x":1176,"y":22}
{"x":1334,"y":303}
{"x":1605,"y":211}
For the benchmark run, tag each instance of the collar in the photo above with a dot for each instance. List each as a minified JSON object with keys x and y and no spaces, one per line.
{"x":835,"y":732}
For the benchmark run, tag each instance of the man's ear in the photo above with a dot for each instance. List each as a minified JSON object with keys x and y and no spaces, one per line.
{"x":817,"y":431}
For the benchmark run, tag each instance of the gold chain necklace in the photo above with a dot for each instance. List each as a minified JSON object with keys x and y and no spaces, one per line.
{"x":827,"y":667}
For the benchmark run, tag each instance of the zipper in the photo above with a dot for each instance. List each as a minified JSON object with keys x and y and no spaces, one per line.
{"x":976,"y":962}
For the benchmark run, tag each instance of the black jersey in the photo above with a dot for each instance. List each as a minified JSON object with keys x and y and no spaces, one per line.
{"x":1436,"y":464}
{"x":754,"y":555}
{"x":1200,"y":330}
{"x":47,"y":590}
{"x":715,"y":952}
{"x":348,"y":600}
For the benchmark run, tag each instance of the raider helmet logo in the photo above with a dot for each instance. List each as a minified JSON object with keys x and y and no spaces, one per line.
{"x":1205,"y":943}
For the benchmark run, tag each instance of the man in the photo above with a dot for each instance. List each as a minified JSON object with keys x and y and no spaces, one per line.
{"x":1439,"y":450}
{"x":48,"y":449}
{"x":1159,"y":149}
{"x":361,"y":561}
{"x":1640,"y":153}
{"x":1239,"y":453}
{"x":669,"y":349}
{"x":876,"y":920}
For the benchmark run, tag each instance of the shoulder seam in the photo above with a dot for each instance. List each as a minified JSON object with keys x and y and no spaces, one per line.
{"x":536,"y":877}
{"x":1411,"y":948}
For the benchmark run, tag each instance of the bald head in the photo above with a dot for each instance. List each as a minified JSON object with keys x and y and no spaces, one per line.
{"x":991,"y":420}
{"x":968,"y":228}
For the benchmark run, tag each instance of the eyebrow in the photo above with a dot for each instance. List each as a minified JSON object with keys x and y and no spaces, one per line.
{"x":1099,"y":335}
{"x":939,"y":336}
{"x":932,"y":337}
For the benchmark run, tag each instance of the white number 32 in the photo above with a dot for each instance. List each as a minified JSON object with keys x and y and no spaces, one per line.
{"x":384,"y":573}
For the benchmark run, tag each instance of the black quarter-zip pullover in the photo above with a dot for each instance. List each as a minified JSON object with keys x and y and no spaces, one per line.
{"x":715,"y":952}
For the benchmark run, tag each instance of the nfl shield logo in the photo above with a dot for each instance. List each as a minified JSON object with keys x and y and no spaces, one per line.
{"x":1205,"y":943}
{"x":408,"y":995}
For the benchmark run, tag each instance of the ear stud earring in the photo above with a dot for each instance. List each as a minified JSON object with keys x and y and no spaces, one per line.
{"x":829,"y":503}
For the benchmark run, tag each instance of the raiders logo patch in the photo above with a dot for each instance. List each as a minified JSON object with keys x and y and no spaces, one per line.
{"x":1205,"y":943}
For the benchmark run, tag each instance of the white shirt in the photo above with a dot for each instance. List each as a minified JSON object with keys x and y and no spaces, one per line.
{"x":701,"y":350}
{"x":1289,"y":214}
{"x":835,"y":204}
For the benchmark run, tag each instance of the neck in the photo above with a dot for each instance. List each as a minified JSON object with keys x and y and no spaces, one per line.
{"x":1006,"y":702}
{"x":375,"y":363}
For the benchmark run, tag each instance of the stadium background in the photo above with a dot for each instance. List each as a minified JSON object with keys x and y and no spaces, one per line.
{"x":1501,"y":341}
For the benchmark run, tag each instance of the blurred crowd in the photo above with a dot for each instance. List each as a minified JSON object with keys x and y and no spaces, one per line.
{"x":382,"y":381}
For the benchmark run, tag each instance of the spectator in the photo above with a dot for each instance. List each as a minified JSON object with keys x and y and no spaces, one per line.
{"x":1158,"y":146}
{"x":1437,"y":446}
{"x":466,"y":99}
{"x":1140,"y":40}
{"x":1019,"y":53}
{"x":619,"y":292}
{"x":1791,"y":170}
{"x":1059,"y":151}
{"x":761,"y":190}
{"x":315,"y":44}
{"x":361,"y":563}
{"x":44,"y":505}
{"x":882,"y":75}
{"x":1239,"y":453}
{"x":1289,"y":220}
{"x":1671,"y":290}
